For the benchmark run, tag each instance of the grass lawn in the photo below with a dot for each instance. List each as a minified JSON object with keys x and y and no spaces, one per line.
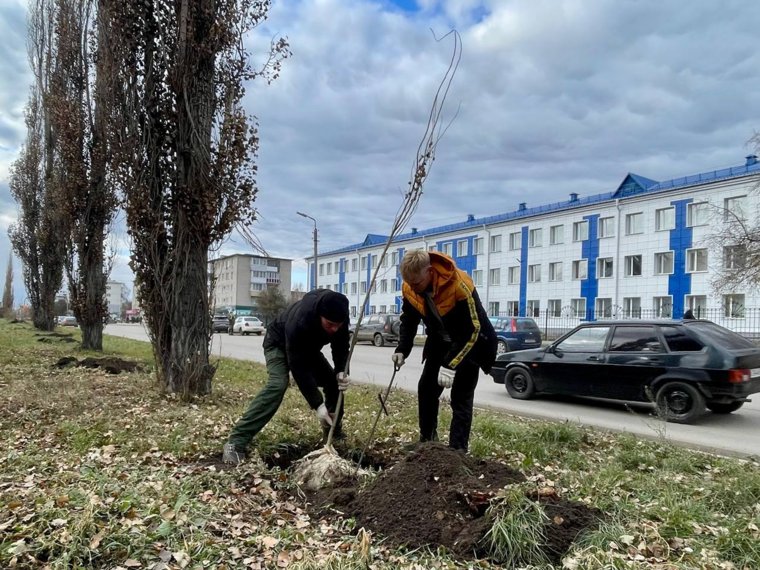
{"x":102,"y":471}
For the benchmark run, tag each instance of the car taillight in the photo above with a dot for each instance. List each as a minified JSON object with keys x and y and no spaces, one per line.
{"x":387,"y":327}
{"x":739,"y":375}
{"x":513,"y":325}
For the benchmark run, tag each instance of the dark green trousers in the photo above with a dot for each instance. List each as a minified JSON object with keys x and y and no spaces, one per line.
{"x":266,"y":403}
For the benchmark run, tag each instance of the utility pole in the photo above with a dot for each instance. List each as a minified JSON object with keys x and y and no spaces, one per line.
{"x":314,"y":282}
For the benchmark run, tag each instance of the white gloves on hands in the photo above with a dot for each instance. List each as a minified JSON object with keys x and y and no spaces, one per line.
{"x":324,"y":416}
{"x":398,"y":359}
{"x":445,"y":378}
{"x":343,"y":381}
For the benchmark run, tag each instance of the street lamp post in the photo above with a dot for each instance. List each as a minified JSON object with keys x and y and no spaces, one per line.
{"x":315,"y":246}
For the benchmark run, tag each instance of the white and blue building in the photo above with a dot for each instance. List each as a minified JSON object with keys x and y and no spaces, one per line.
{"x":643,"y":249}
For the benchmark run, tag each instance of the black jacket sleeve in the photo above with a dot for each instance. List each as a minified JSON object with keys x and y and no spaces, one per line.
{"x":410,"y":320}
{"x":302,"y":352}
{"x":339,"y":346}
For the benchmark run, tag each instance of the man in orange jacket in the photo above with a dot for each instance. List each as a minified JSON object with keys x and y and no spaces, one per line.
{"x":460,"y":339}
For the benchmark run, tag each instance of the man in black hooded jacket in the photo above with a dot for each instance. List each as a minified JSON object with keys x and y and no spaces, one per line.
{"x":293,"y":344}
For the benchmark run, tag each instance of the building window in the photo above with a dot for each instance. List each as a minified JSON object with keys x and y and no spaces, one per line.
{"x":394,"y":258}
{"x":513,"y":275}
{"x":734,"y":256}
{"x":698,"y":305}
{"x":321,"y":268}
{"x":578,"y":306}
{"x":364,"y":263}
{"x":478,"y":246}
{"x":447,"y":248}
{"x":384,"y":262}
{"x":555,"y":307}
{"x":697,"y":214}
{"x":735,"y":209}
{"x":383,"y":287}
{"x":634,"y":224}
{"x":603,"y":308}
{"x":555,"y":271}
{"x":580,"y":269}
{"x":396,"y":284}
{"x":515,"y":241}
{"x":462,"y":248}
{"x":604,"y":267}
{"x":374,"y":287}
{"x":364,"y":286}
{"x":534,"y":273}
{"x":664,"y":219}
{"x":513,"y":308}
{"x":372,"y":309}
{"x":383,"y":309}
{"x":556,"y":235}
{"x":606,"y":227}
{"x":329,"y":268}
{"x":477,"y":277}
{"x":632,"y":307}
{"x":353,"y":265}
{"x":733,"y":306}
{"x":535,"y":238}
{"x":353,"y":287}
{"x":696,"y":260}
{"x":534,"y":308}
{"x":353,"y":311}
{"x":494,"y":276}
{"x":374,"y":262}
{"x":663,"y":307}
{"x":663,"y":263}
{"x":493,"y":308}
{"x":580,"y":231}
{"x":632,"y":265}
{"x":432,"y":248}
{"x":495,"y":244}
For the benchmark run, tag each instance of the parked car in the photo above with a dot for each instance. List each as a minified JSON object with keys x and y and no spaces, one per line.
{"x":248,"y":325}
{"x":682,"y":367}
{"x":516,"y":333}
{"x":68,"y":321}
{"x":220,"y":323}
{"x":379,"y":328}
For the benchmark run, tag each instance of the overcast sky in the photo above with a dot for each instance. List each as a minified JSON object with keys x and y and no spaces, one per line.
{"x":554,"y":97}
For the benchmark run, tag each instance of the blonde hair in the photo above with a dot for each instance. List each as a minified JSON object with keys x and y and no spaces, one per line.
{"x":413,"y":263}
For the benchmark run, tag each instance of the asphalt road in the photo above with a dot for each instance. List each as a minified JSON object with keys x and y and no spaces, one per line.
{"x":736,"y":434}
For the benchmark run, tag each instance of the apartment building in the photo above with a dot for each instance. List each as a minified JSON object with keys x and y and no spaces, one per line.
{"x":643,"y":249}
{"x":239,"y":279}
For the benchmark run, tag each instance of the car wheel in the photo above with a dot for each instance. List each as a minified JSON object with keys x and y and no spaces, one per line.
{"x":258,"y":333}
{"x":502,"y":347}
{"x":378,"y":340}
{"x":679,"y":403}
{"x":519,"y":383}
{"x":723,"y":408}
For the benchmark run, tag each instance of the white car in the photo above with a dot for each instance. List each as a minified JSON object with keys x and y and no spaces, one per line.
{"x":248,"y":325}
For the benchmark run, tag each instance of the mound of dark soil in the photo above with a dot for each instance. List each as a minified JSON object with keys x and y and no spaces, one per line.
{"x":109,"y":364}
{"x":438,"y":496}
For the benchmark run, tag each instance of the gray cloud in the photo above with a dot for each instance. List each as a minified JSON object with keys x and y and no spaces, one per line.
{"x":554,"y":96}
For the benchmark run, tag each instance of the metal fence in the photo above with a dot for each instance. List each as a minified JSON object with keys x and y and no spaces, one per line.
{"x":553,"y":324}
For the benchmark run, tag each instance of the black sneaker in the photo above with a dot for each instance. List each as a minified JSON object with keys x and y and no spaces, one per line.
{"x":232,"y":455}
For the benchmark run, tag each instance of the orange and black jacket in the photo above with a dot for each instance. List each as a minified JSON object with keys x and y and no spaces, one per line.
{"x":467,"y":333}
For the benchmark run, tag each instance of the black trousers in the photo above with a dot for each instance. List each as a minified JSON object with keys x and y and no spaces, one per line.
{"x":462,"y":396}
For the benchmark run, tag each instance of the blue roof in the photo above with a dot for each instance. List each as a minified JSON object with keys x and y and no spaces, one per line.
{"x":632,"y":185}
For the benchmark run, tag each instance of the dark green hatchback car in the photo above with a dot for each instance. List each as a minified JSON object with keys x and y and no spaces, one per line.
{"x":682,"y":367}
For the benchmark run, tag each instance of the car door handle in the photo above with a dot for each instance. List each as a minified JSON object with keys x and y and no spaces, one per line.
{"x":594,"y":358}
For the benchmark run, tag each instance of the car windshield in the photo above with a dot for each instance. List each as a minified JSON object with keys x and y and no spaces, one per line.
{"x":717,"y":335}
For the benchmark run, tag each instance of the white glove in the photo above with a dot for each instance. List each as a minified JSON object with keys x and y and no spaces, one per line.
{"x":445,"y":378}
{"x":398,"y":359}
{"x":343,"y":381}
{"x":323,"y":415}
